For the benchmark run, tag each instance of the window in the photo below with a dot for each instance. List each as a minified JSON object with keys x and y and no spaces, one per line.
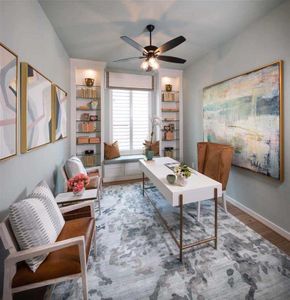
{"x":130,"y":119}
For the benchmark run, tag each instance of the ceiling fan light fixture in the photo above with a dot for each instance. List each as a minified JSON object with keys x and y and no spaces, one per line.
{"x":153,"y":63}
{"x":144,"y":66}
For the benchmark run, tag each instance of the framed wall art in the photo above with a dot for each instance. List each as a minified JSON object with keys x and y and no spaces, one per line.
{"x":36,"y":103}
{"x":59,"y":113}
{"x":8,"y":102}
{"x":246,"y":112}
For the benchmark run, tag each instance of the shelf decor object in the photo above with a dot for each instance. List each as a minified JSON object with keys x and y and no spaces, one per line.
{"x":246,"y":112}
{"x":8,"y":102}
{"x":36,"y":104}
{"x":89,"y":81}
{"x":59,"y":113}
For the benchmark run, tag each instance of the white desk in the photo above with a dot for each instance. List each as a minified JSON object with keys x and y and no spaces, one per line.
{"x":198,"y":188}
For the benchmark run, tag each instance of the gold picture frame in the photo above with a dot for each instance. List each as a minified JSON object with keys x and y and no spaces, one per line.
{"x":59,"y":110}
{"x":9,"y":110}
{"x":269,"y":85}
{"x":36,"y":116}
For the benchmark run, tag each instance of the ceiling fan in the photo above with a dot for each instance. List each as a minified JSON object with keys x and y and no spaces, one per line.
{"x":151,"y":53}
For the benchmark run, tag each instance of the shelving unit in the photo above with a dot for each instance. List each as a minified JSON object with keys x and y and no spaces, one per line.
{"x":88,"y":102}
{"x":170,"y":110}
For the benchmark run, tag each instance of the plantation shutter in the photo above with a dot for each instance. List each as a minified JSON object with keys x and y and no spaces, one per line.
{"x":130,"y":119}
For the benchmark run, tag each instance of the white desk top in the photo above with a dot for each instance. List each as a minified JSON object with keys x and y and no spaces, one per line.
{"x":70,"y":197}
{"x":198,"y":188}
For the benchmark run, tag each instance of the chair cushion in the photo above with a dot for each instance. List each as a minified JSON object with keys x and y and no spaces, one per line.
{"x":44,"y":194}
{"x":32,"y":226}
{"x":62,"y":262}
{"x":74,"y":166}
{"x":112,"y":150}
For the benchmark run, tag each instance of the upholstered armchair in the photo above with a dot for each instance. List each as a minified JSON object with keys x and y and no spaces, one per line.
{"x":214,"y":161}
{"x":74,"y":166}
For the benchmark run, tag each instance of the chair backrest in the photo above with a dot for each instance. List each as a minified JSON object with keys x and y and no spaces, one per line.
{"x":214,"y":161}
{"x":8,"y":237}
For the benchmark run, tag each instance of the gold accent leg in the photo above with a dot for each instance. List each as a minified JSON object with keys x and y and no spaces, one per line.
{"x":215,"y":216}
{"x":180,"y":227}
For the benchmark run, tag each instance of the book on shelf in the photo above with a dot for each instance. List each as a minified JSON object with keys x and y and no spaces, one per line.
{"x":87,"y":92}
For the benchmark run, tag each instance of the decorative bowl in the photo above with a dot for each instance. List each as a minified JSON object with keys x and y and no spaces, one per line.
{"x":171,"y":178}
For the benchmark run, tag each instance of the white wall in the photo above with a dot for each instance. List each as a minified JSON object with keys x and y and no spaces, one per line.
{"x":263,"y":42}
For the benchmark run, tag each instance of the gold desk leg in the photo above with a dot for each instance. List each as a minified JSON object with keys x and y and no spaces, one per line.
{"x":181,"y":227}
{"x":215,"y":216}
{"x":143,"y":182}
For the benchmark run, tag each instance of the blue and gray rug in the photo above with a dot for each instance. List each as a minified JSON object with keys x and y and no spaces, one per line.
{"x":137,"y":258}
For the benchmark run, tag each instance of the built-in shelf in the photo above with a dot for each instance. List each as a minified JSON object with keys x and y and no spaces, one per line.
{"x":88,"y":98}
{"x":88,"y":144}
{"x":173,"y":129}
{"x":88,"y":121}
{"x":95,"y":154}
{"x":88,"y":131}
{"x":85,"y":109}
{"x":90,"y":87}
{"x":174,"y":92}
{"x":170,"y":111}
{"x":171,"y":101}
{"x":166,"y":120}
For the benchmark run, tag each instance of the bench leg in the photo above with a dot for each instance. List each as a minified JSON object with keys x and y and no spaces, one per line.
{"x":95,"y":245}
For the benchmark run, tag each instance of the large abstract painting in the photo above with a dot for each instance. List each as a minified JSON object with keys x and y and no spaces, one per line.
{"x":246,"y":112}
{"x":59,"y":125}
{"x":8,"y":102}
{"x":36,"y":106}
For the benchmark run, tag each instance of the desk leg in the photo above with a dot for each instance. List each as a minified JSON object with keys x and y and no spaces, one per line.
{"x":143,"y":182}
{"x":180,"y":227}
{"x":215,"y":217}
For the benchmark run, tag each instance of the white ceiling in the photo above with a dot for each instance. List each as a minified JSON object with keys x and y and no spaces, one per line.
{"x":91,"y":29}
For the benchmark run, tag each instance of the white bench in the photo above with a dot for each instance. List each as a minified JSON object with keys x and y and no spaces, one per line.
{"x":125,"y":167}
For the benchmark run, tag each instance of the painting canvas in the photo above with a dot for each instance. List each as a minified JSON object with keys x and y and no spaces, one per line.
{"x":36,"y":105}
{"x":60,"y":113}
{"x":8,"y":102}
{"x":246,"y":112}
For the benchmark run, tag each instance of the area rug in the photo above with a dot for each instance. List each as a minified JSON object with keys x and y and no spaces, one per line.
{"x":137,"y":258}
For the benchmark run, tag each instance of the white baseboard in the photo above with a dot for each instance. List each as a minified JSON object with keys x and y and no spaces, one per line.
{"x":273,"y":226}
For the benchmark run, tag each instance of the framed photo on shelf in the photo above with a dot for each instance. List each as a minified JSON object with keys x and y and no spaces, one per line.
{"x":8,"y":102}
{"x":246,"y":112}
{"x":36,"y":104}
{"x":59,"y":113}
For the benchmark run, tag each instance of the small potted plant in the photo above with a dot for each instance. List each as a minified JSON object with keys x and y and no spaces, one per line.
{"x":149,"y":153}
{"x":78,"y":183}
{"x":182,"y":172}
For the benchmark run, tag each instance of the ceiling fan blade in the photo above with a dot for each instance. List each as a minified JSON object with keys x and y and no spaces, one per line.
{"x":129,"y":58}
{"x":133,"y":44}
{"x":170,"y":44}
{"x":171,"y":59}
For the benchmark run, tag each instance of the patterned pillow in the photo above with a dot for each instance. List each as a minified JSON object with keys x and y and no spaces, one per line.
{"x":43,"y":193}
{"x":32,"y":227}
{"x":112,"y":150}
{"x":74,"y":166}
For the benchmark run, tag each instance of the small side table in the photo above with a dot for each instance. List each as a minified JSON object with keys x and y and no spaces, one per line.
{"x":69,"y":198}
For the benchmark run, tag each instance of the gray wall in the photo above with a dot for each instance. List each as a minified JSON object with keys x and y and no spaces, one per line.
{"x":25,"y":29}
{"x":263,"y":42}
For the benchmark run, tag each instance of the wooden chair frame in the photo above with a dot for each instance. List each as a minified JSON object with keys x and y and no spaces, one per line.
{"x":16,"y":255}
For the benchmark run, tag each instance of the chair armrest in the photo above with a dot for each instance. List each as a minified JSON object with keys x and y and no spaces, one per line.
{"x":76,"y":206}
{"x":18,"y":256}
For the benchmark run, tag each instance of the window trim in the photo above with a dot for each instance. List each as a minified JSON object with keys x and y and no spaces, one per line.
{"x":150,"y":94}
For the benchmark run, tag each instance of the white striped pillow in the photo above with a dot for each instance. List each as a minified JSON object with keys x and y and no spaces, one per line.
{"x":44,"y":194}
{"x":32,"y":227}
